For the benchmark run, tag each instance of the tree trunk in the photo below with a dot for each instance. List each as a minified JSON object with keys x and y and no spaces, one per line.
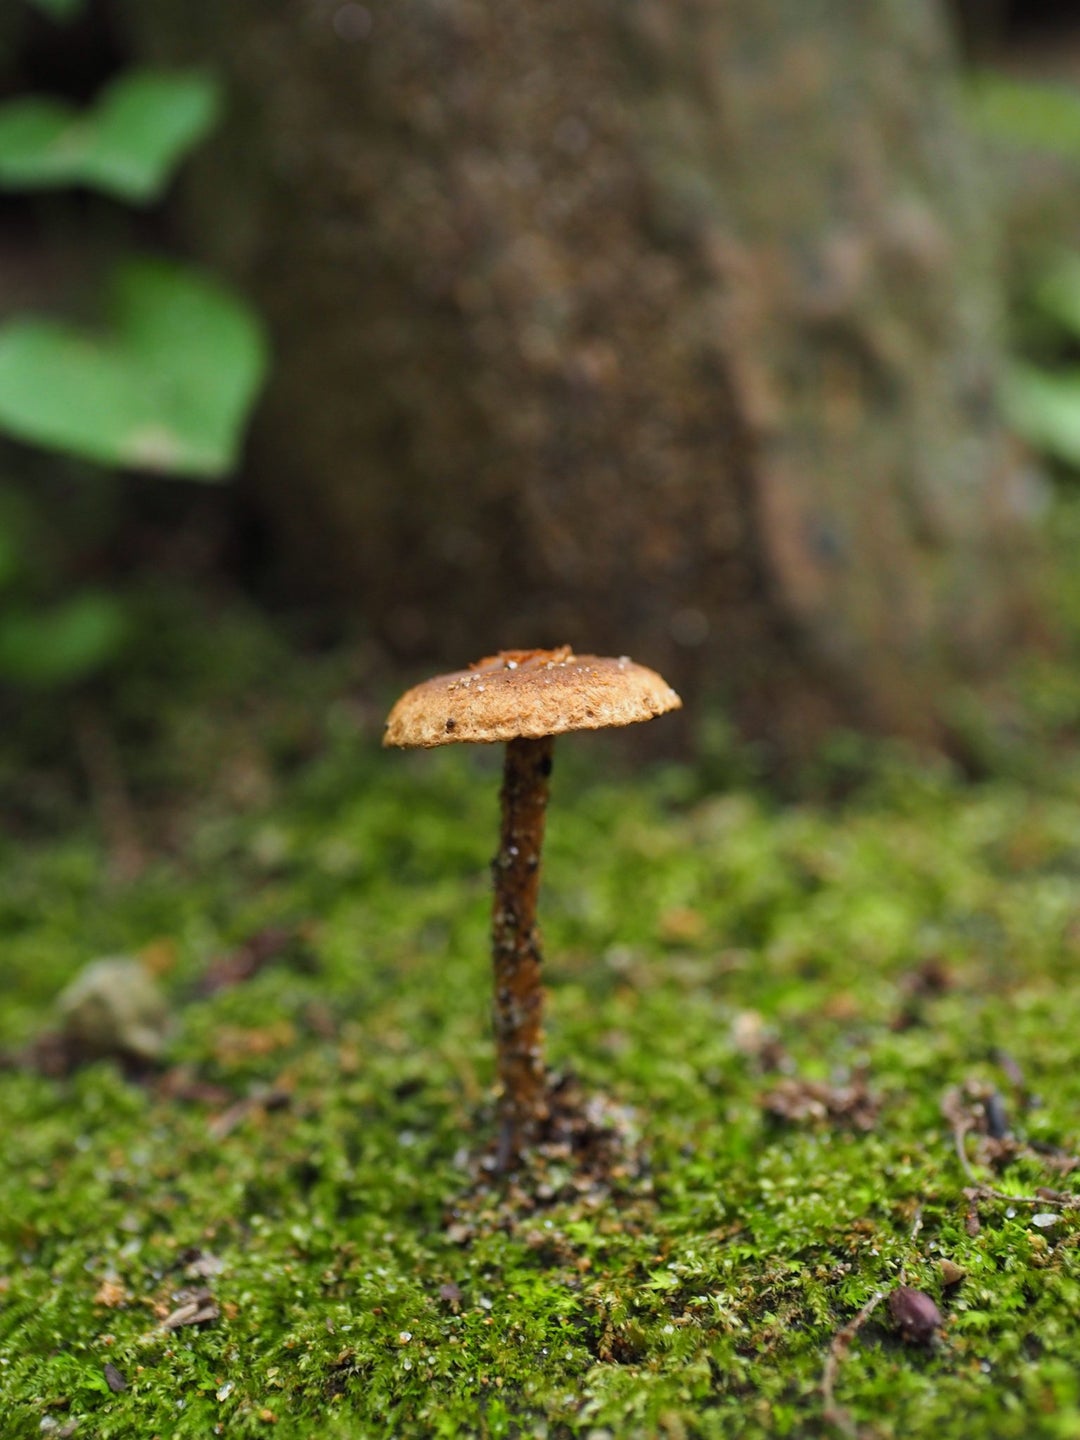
{"x":666,"y":327}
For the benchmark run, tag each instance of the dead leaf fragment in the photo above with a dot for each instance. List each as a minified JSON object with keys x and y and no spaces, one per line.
{"x":110,"y":1293}
{"x":925,"y":983}
{"x":262,"y":1100}
{"x":235,"y":1044}
{"x":203,"y":1266}
{"x":681,"y":926}
{"x":758,"y":1042}
{"x":803,"y":1102}
{"x":252,"y":956}
{"x":197,"y":1307}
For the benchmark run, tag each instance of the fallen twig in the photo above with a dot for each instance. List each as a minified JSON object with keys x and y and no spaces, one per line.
{"x":961,"y":1126}
{"x":841,"y":1342}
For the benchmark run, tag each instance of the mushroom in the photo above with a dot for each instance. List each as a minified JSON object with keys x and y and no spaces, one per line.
{"x":524,"y":697}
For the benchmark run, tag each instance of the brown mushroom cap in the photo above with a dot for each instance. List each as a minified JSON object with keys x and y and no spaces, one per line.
{"x":526,"y":694}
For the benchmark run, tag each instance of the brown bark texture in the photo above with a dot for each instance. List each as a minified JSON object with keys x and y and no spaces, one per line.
{"x":666,"y":327}
{"x":519,"y":995}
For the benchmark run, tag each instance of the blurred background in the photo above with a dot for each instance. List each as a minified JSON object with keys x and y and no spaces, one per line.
{"x":372,"y":337}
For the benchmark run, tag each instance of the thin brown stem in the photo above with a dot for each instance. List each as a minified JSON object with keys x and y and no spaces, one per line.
{"x":519,"y":996}
{"x":960,"y":1131}
{"x":841,"y":1343}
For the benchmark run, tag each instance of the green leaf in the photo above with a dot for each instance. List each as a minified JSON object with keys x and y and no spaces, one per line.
{"x":60,"y":10}
{"x":128,"y":144}
{"x":168,"y":390}
{"x":1026,"y":113}
{"x":1058,"y":292}
{"x":1044,"y":407}
{"x":63,"y":644}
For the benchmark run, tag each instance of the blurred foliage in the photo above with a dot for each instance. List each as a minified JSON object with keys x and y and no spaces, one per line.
{"x":59,"y":9}
{"x":167,"y":390}
{"x":1029,"y":113}
{"x":127,"y":145}
{"x":62,"y":644}
{"x":1044,"y":407}
{"x":47,"y":642}
{"x":162,"y":384}
{"x":1042,"y":400}
{"x":1041,"y":391}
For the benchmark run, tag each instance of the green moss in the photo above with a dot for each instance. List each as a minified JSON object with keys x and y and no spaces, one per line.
{"x":696,"y":941}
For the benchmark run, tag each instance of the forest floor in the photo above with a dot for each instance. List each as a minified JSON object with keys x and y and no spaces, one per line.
{"x":844,"y":1026}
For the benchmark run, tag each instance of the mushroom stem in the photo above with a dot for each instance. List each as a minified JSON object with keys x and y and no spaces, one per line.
{"x":519,"y":996}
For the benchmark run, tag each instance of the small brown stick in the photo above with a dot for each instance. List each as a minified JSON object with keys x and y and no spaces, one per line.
{"x":916,"y":1226}
{"x":960,"y":1130}
{"x":836,"y":1414}
{"x":841,"y":1342}
{"x":519,"y":995}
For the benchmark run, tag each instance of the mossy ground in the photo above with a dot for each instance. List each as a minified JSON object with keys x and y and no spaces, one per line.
{"x":704,"y":944}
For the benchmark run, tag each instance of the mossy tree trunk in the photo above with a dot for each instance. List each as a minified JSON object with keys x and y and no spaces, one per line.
{"x":659,"y":326}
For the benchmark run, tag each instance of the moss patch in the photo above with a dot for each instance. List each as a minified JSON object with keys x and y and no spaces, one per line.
{"x":783,"y":996}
